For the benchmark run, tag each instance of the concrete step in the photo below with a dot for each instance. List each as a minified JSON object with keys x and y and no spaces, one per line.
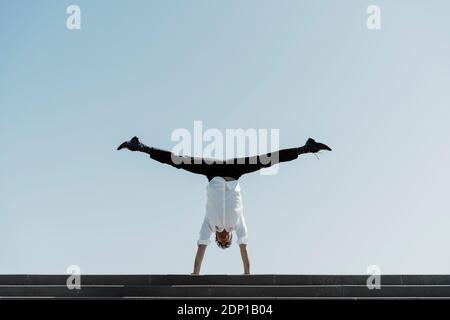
{"x":24,"y":279}
{"x":231,"y":286}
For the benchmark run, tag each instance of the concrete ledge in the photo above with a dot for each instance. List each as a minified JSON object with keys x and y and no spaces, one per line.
{"x":224,"y":286}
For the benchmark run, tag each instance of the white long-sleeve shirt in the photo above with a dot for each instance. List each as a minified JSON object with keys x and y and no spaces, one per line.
{"x":224,"y":210}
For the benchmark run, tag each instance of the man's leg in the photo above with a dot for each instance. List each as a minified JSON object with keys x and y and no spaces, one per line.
{"x":134,"y":144}
{"x":191,"y":164}
{"x":255,"y":163}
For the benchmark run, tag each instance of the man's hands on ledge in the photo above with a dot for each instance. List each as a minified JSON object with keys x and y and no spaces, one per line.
{"x":197,"y":274}
{"x":201,"y":252}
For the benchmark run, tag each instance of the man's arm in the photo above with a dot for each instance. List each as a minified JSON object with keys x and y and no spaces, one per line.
{"x":199,"y":258}
{"x":245,"y":259}
{"x":241,"y":232}
{"x":203,"y":242}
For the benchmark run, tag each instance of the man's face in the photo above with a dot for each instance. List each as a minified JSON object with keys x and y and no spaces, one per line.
{"x":223,"y":237}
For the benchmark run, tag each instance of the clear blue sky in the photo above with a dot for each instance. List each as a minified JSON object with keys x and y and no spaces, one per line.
{"x":381,"y":99}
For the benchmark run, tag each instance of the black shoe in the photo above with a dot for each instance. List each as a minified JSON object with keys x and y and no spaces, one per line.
{"x":132,"y":145}
{"x":313,"y":146}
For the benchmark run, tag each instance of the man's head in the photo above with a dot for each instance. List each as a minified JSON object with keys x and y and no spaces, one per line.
{"x":223,"y":239}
